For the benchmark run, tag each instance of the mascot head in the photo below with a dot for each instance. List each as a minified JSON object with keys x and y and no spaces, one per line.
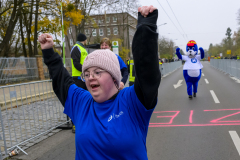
{"x":192,"y":49}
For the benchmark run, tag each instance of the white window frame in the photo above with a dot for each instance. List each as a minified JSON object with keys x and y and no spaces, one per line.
{"x":108,"y":19}
{"x":70,"y":30}
{"x":101,"y":32}
{"x":114,"y":19}
{"x":94,"y":32}
{"x":108,"y":31}
{"x":115,"y":29}
{"x":71,"y":42}
{"x":87,"y":32}
{"x":100,"y":21}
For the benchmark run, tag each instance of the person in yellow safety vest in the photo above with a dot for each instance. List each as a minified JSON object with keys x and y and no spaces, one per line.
{"x":238,"y":57}
{"x":128,"y":65}
{"x":160,"y":61}
{"x":78,"y":55}
{"x":215,"y":57}
{"x":132,"y":72}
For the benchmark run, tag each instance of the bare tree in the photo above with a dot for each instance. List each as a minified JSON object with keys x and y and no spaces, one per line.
{"x":11,"y":25}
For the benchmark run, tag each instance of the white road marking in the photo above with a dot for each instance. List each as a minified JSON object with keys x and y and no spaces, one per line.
{"x":206,"y":81}
{"x":236,"y":140}
{"x":178,"y":84}
{"x":214,"y":96}
{"x":202,"y":74}
{"x":237,"y":80}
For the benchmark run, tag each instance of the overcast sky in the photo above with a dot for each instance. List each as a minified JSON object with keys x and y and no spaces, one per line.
{"x":204,"y":21}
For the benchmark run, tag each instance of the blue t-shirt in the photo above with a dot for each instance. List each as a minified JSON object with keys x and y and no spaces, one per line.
{"x":121,"y":63}
{"x":114,"y":129}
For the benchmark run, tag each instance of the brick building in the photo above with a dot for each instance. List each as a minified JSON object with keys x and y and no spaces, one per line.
{"x":114,"y":26}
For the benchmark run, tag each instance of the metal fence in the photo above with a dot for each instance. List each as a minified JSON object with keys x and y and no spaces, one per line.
{"x":229,"y":66}
{"x":167,"y":68}
{"x":16,"y":69}
{"x":28,"y":110}
{"x":68,"y":65}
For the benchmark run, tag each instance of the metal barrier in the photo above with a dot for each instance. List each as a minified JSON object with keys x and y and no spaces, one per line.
{"x":167,"y":68}
{"x":16,"y":69}
{"x":28,"y":110}
{"x":68,"y":65}
{"x":229,"y":66}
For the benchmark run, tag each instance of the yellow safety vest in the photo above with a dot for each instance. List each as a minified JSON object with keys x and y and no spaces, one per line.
{"x":238,"y":57}
{"x":132,"y":72}
{"x":160,"y":62}
{"x":75,"y":72}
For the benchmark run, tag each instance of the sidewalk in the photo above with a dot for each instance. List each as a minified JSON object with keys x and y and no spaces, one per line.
{"x":60,"y":146}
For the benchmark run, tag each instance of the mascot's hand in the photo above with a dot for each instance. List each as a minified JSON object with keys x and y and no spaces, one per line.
{"x":201,"y":49}
{"x":177,"y":50}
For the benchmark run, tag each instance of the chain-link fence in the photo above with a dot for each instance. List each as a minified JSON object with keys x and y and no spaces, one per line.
{"x":229,"y":66}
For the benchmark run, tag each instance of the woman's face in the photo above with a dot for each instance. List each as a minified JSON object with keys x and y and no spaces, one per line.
{"x":104,"y":45}
{"x":101,"y":88}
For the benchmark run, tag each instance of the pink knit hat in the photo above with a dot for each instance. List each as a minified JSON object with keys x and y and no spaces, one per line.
{"x":106,"y":60}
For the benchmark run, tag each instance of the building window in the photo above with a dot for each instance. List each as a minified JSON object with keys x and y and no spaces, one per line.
{"x":108,"y":31}
{"x":87,"y":32}
{"x":94,"y":32}
{"x":100,"y":21}
{"x":100,"y":32}
{"x":108,"y":20}
{"x":115,"y":31}
{"x":93,"y":20}
{"x":71,"y":42}
{"x":114,"y":19}
{"x":70,"y":30}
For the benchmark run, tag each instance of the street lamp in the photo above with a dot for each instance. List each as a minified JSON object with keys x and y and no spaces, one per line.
{"x":160,"y":25}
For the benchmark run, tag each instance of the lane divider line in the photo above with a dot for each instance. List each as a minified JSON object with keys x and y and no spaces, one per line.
{"x":214,"y":96}
{"x":236,"y":140}
{"x":202,"y":74}
{"x":206,"y":81}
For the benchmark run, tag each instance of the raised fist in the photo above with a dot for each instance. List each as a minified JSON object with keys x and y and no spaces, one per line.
{"x":178,"y":50}
{"x":145,"y":10}
{"x":46,"y":41}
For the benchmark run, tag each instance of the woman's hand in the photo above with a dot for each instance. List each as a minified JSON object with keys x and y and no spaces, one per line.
{"x":46,"y":41}
{"x":145,"y":10}
{"x":121,"y":86}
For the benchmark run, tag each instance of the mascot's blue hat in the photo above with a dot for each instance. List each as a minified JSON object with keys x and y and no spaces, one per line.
{"x":191,"y":44}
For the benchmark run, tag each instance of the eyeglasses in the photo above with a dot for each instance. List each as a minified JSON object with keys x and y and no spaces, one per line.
{"x":95,"y":74}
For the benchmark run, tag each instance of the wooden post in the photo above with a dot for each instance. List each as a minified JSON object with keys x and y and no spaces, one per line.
{"x":40,"y":67}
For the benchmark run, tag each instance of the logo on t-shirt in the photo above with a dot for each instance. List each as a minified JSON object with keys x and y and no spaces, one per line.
{"x":194,"y":60}
{"x":113,"y":116}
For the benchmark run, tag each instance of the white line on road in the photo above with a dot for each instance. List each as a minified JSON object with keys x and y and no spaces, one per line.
{"x":202,"y":74}
{"x":236,"y":140}
{"x":206,"y":81}
{"x":214,"y":96}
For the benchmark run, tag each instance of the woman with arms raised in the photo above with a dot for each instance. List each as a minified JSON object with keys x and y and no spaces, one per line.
{"x":110,"y":123}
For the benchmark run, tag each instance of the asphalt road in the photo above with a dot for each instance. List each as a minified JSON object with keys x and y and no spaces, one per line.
{"x":204,"y":128}
{"x":197,"y":129}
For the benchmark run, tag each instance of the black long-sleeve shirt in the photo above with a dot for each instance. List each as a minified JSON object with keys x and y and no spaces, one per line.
{"x":144,"y":47}
{"x":76,"y":55}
